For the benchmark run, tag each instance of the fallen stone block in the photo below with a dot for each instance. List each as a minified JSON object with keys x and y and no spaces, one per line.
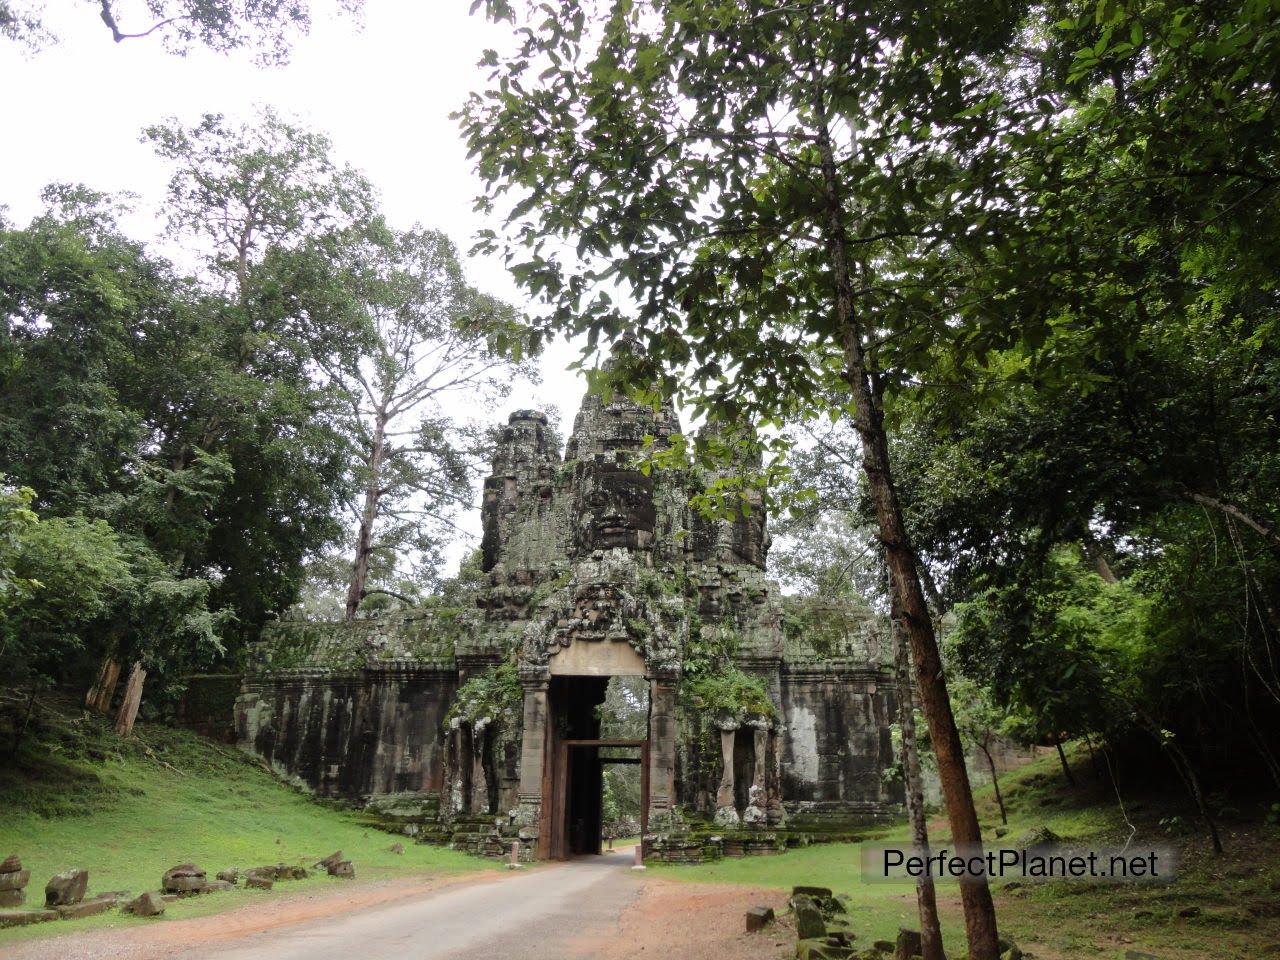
{"x":821,"y":950}
{"x":810,"y":923}
{"x":758,"y":918}
{"x":882,"y":946}
{"x":184,"y":878}
{"x":257,"y":880}
{"x":327,"y":862}
{"x":21,"y":918}
{"x":217,"y":886}
{"x":149,"y":904}
{"x":14,"y":880}
{"x":343,"y":868}
{"x":817,"y":893}
{"x":66,"y":888}
{"x":86,"y":908}
{"x":230,"y":876}
{"x":909,"y":944}
{"x":1037,"y":838}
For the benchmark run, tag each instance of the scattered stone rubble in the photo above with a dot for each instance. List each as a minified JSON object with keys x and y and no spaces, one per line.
{"x":66,"y":892}
{"x":824,"y":933}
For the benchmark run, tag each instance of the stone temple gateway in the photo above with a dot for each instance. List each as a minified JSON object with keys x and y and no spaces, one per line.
{"x":477,"y":723}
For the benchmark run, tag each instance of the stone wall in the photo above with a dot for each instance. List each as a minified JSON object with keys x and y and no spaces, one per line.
{"x":375,"y":731}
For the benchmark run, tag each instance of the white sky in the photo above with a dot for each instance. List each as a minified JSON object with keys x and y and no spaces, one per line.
{"x":74,"y":111}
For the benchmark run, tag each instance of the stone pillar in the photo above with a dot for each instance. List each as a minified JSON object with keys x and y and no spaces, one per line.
{"x":533,"y":750}
{"x":757,"y":795}
{"x":479,"y":781}
{"x":726,"y":811}
{"x":775,"y":814}
{"x":456,"y":770}
{"x":662,"y":751}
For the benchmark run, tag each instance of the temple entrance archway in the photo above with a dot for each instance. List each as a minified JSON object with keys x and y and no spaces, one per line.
{"x":577,"y":752}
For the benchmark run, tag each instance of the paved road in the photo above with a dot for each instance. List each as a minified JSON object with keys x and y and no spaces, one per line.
{"x":553,"y":913}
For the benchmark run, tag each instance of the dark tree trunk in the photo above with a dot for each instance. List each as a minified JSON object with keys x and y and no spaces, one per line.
{"x":904,"y":578}
{"x":926,"y":897}
{"x":1093,"y":758}
{"x":1192,"y":781}
{"x":995,"y":782}
{"x":1062,"y":758}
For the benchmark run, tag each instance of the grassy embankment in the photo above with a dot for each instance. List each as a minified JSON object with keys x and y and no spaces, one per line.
{"x":127,"y":810}
{"x":1233,"y":900}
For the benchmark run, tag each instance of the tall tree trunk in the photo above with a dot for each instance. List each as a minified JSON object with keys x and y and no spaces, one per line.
{"x":1093,"y":757}
{"x":1187,"y":772}
{"x":926,"y":898}
{"x":104,"y":688}
{"x":995,"y":781}
{"x":975,"y":894}
{"x":128,"y":711}
{"x":368,"y":516}
{"x":1062,"y":758}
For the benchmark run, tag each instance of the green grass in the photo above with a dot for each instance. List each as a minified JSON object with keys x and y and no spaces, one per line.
{"x":128,"y":809}
{"x":1238,"y":895}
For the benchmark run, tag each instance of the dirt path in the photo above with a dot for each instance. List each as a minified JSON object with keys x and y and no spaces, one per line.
{"x":591,"y":908}
{"x":698,"y":922}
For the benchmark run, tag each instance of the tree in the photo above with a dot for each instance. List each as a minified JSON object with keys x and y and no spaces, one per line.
{"x":981,"y":724}
{"x":219,"y":25}
{"x":743,"y":172}
{"x":277,"y":220}
{"x":432,"y":340}
{"x":102,"y":351}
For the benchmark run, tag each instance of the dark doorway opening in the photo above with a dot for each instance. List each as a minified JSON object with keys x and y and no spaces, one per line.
{"x":576,"y":774}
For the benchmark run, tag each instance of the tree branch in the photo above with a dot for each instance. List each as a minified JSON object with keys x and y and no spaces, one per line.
{"x":109,"y":19}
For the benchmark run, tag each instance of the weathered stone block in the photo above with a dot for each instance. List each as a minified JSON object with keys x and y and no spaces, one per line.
{"x":758,"y":918}
{"x":149,"y":904}
{"x":86,"y":908}
{"x":1036,"y":838}
{"x":821,"y":950}
{"x":810,"y":924}
{"x":66,"y":888}
{"x":909,"y":944}
{"x":343,"y":868}
{"x":21,"y":918}
{"x":818,"y":893}
{"x":230,"y":876}
{"x":260,"y":878}
{"x":12,"y":898}
{"x":15,"y":881}
{"x":184,"y":878}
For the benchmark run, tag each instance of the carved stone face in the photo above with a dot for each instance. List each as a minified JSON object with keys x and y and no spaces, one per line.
{"x":614,"y":508}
